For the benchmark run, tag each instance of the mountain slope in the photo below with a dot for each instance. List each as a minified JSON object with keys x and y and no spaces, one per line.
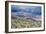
{"x":24,"y":23}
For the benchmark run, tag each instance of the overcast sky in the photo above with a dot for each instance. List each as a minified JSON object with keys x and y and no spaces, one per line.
{"x":26,"y":10}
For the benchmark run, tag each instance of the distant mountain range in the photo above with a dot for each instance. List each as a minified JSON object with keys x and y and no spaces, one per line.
{"x":36,"y":18}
